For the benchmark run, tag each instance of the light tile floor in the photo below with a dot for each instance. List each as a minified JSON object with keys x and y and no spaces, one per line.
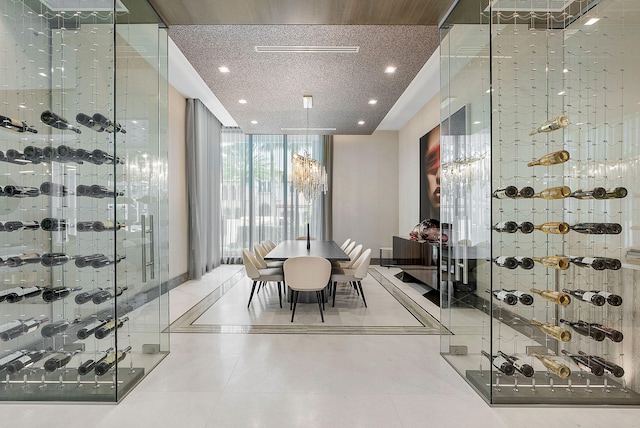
{"x":301,"y":380}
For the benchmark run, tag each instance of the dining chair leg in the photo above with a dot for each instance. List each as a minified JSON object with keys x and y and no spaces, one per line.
{"x":280,"y":294}
{"x":318,"y":294}
{"x":335,"y":284}
{"x":362,"y":293}
{"x":251,"y":295}
{"x":354,"y":284}
{"x":322,"y":294}
{"x":295,"y":301}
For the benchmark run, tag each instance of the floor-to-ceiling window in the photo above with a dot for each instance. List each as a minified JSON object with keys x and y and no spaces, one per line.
{"x":258,"y":200}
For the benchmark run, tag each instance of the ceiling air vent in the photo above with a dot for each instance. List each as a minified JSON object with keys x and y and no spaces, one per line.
{"x":308,"y":49}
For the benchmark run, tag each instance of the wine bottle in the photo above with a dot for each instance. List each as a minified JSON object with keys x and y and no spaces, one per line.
{"x":54,"y":328}
{"x":522,"y":367}
{"x":50,"y":154}
{"x":553,"y":227}
{"x":19,"y":327}
{"x":111,"y":360}
{"x":551,"y":159}
{"x":585,"y":329}
{"x":595,"y":263}
{"x":88,"y":366}
{"x":506,"y":262}
{"x":53,"y":224}
{"x":559,"y":192}
{"x":59,"y":360}
{"x":104,"y":157}
{"x":21,"y":191}
{"x":555,"y":367}
{"x":34,"y":154}
{"x":526,"y":227}
{"x":51,"y":294}
{"x":86,"y":156}
{"x":508,"y":192}
{"x":525,"y":262}
{"x":22,"y":293}
{"x":505,"y":296}
{"x":30,"y":258}
{"x":612,"y":264}
{"x":553,"y":330}
{"x":526,"y":192}
{"x":85,"y":297}
{"x":612,"y":228}
{"x":559,"y":122}
{"x":100,"y":226}
{"x":84,"y":261}
{"x":83,"y":190}
{"x":27,"y":360}
{"x":500,"y":363}
{"x":556,"y":297}
{"x":612,"y":368}
{"x":14,"y":156}
{"x":612,"y":299}
{"x":89,"y":329}
{"x":612,"y":334}
{"x":105,"y":295}
{"x":84,"y":226}
{"x":616,"y":193}
{"x":555,"y":262}
{"x":16,"y":125}
{"x":109,"y":327}
{"x":587,"y":296}
{"x":10,"y":358}
{"x":524,"y":298}
{"x":585,"y":363}
{"x":53,"y":189}
{"x":108,"y":124}
{"x":98,"y":263}
{"x":5,"y":293}
{"x":595,"y":193}
{"x":67,"y":154}
{"x":506,"y":226}
{"x":53,"y":120}
{"x":98,"y":191}
{"x":589,"y":228}
{"x":12,"y":226}
{"x":55,"y":259}
{"x":86,"y":120}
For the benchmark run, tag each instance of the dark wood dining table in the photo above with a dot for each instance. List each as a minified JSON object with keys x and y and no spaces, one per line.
{"x":296,"y":248}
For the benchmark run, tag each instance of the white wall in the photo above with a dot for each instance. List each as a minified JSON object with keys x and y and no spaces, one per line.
{"x":178,"y":220}
{"x":409,"y":164}
{"x":365,"y":189}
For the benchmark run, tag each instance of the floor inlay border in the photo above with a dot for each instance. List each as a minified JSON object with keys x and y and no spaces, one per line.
{"x":185,"y":323}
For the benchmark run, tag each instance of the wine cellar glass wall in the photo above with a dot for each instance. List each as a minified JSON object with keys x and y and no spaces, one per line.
{"x":543,"y":183}
{"x":83,"y":195}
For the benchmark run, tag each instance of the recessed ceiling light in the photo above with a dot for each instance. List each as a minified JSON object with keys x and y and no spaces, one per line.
{"x":477,"y":122}
{"x":43,"y":74}
{"x":372,"y":102}
{"x":565,"y":70}
{"x":254,"y":122}
{"x":592,"y":21}
{"x":223,"y":69}
{"x":242,"y":101}
{"x":562,"y":93}
{"x":361,"y":122}
{"x":390,"y":70}
{"x":307,"y":101}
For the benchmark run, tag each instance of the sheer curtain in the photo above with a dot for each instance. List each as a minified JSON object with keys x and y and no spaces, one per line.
{"x":258,"y":200}
{"x":203,"y":188}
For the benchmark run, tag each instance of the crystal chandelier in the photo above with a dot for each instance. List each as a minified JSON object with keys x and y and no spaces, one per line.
{"x":309,"y":177}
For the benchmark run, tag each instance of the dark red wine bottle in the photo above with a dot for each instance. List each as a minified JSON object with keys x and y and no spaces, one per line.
{"x":613,"y":334}
{"x":27,"y":360}
{"x":522,"y":367}
{"x":58,"y":361}
{"x":585,"y":329}
{"x":55,"y":121}
{"x":500,"y":363}
{"x":612,"y":368}
{"x":585,"y":363}
{"x":56,"y":293}
{"x":587,"y":296}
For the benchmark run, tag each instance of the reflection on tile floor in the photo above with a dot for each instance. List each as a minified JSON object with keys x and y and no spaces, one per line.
{"x":389,"y":311}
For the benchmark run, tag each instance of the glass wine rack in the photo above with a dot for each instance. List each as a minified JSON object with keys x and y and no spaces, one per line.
{"x":83,"y":197}
{"x":539,"y":160}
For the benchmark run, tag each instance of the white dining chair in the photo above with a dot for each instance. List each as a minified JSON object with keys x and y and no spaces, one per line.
{"x":260,"y":253}
{"x":259,"y":275}
{"x":350,"y":247}
{"x":268,"y":244}
{"x":307,"y":273}
{"x":353,"y":255}
{"x":344,"y":245}
{"x":354,"y":275}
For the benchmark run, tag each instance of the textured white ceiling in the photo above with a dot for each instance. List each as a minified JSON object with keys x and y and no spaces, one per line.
{"x":273,"y":83}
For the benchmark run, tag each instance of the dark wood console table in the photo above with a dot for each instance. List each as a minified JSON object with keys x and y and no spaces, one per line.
{"x":418,"y":261}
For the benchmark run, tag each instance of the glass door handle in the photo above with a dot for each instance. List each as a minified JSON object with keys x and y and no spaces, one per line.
{"x":151,"y":232}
